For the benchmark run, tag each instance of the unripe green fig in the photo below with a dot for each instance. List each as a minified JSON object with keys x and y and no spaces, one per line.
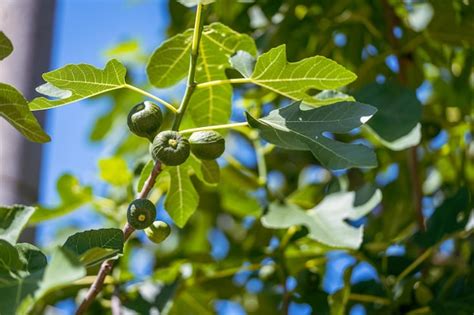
{"x":170,"y":148}
{"x":145,"y":119}
{"x":207,"y":145}
{"x":158,"y":231}
{"x":141,"y":213}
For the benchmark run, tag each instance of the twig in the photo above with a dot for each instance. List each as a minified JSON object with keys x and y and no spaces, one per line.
{"x":404,"y":62}
{"x":107,"y":265}
{"x":191,"y":83}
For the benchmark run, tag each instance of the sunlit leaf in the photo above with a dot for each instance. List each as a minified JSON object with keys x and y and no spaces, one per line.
{"x":14,"y":108}
{"x":182,"y":198}
{"x":6,"y":46}
{"x":297,"y":128}
{"x":169,"y":64}
{"x":326,"y":222}
{"x":12,"y":221}
{"x":294,"y":80}
{"x":73,"y":83}
{"x":192,"y":3}
{"x":115,"y":171}
{"x":73,"y":195}
{"x":243,"y":62}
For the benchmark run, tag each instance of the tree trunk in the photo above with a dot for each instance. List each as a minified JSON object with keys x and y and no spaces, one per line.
{"x":28,"y":24}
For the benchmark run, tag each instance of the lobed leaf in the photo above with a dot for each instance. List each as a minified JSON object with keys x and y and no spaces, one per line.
{"x":295,"y":79}
{"x":14,"y":108}
{"x":326,"y":222}
{"x":296,"y":127}
{"x":13,"y":220}
{"x":73,"y":83}
{"x":169,"y":64}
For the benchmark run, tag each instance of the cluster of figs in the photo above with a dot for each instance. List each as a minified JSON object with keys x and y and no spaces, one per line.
{"x":170,"y":148}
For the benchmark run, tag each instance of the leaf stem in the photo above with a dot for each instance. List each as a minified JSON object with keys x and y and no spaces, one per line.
{"x":219,"y":82}
{"x":369,"y":299}
{"x":107,"y":265}
{"x":261,"y":164}
{"x":191,"y":83}
{"x":215,"y":127}
{"x":154,"y":97}
{"x":414,"y":264}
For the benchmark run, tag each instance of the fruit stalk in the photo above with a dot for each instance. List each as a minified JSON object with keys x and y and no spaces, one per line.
{"x":107,"y":265}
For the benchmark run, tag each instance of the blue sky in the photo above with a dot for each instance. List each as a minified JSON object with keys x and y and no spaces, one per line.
{"x":83,"y":30}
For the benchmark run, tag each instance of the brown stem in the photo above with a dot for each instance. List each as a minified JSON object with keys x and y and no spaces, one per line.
{"x":404,"y":62}
{"x":107,"y":265}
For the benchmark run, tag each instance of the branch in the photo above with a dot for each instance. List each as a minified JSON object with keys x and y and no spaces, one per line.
{"x":191,"y":83}
{"x":404,"y":62}
{"x":107,"y":265}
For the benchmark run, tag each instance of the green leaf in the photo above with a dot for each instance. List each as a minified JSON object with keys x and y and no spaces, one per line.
{"x":396,"y":123}
{"x":207,"y":172}
{"x":115,"y":171}
{"x":294,"y":80}
{"x":297,"y":128}
{"x":338,"y":301}
{"x":451,"y":216}
{"x":212,"y":105}
{"x":73,"y":83}
{"x":193,"y":301}
{"x":94,"y":246}
{"x":169,"y":64}
{"x":12,"y":221}
{"x":210,"y":171}
{"x":73,"y":195}
{"x":449,"y":26}
{"x":182,"y":198}
{"x":21,"y":270}
{"x":14,"y":108}
{"x":192,"y":3}
{"x":243,"y":62}
{"x":63,"y":269}
{"x":326,"y":222}
{"x":6,"y":46}
{"x":9,"y":258}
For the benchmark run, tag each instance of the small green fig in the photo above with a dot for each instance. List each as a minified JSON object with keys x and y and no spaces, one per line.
{"x":141,"y":213}
{"x":170,"y":148}
{"x":145,"y":119}
{"x":207,"y":145}
{"x":158,"y":231}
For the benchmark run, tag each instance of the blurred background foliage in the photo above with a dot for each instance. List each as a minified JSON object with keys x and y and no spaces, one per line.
{"x":414,"y":61}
